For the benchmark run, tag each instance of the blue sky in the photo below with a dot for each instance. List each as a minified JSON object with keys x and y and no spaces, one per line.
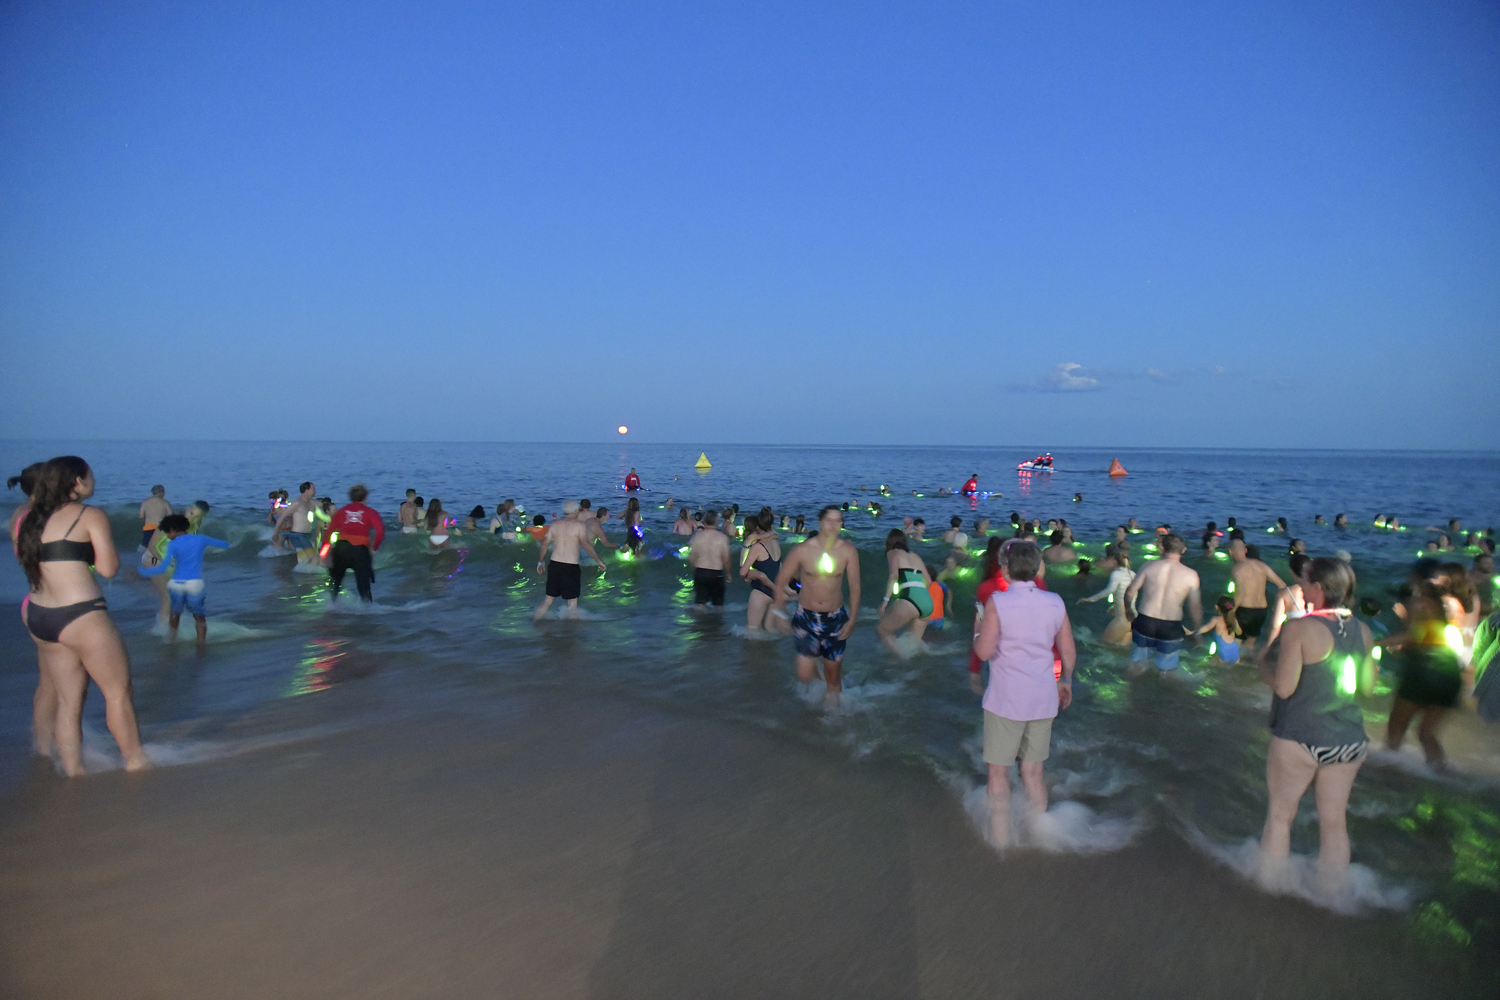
{"x":1091,"y":224}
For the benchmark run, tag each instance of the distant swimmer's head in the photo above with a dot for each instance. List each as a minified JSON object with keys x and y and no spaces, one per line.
{"x":845,"y":505}
{"x":896,"y":539}
{"x":1432,"y":546}
{"x":684,"y":515}
{"x":1318,"y":519}
{"x":602,"y":513}
{"x":1380,"y":520}
{"x":710,"y":518}
{"x":1454,"y":525}
{"x":570,"y":507}
{"x":1235,"y":534}
{"x":1210,"y":527}
{"x":1444,"y":542}
{"x":477,"y":512}
{"x":1084,"y":566}
{"x":27,"y":479}
{"x":175,"y":524}
{"x":1297,"y":545}
{"x":583,"y":504}
{"x":1230,"y":523}
{"x":158,"y":490}
{"x":410,"y":494}
{"x":1281,"y":523}
{"x":1251,"y":551}
{"x":1340,"y":520}
{"x":538,"y":521}
{"x":1484,"y":564}
{"x":1021,"y":560}
{"x":1172,"y":542}
{"x":1132,"y":524}
{"x":981,"y":526}
{"x":1051,"y":524}
{"x":419,"y":503}
{"x":1055,"y":538}
{"x":1298,"y":562}
{"x":1328,"y":583}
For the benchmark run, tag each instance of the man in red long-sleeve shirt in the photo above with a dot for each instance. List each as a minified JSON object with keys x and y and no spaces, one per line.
{"x":356,"y":532}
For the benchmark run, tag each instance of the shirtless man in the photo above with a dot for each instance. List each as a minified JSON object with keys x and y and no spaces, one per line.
{"x":564,"y":579}
{"x":593,"y":523}
{"x":296,"y":520}
{"x":1057,"y":551}
{"x":153,"y":509}
{"x":1158,"y":592}
{"x":708,"y":554}
{"x":407,"y":515}
{"x":1250,"y":577}
{"x":822,"y":624}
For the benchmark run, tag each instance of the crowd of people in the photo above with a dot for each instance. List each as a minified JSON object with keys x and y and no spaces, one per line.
{"x":1312,"y":640}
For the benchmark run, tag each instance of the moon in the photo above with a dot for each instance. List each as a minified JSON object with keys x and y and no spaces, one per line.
{"x":623,"y":428}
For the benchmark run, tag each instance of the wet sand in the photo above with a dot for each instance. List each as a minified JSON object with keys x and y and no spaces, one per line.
{"x":547,"y":848}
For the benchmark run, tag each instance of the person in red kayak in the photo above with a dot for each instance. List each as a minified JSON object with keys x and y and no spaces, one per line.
{"x":972,"y":486}
{"x":632,"y":481}
{"x":356,"y":532}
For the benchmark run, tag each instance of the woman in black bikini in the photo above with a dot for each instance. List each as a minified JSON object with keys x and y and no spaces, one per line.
{"x":61,"y":544}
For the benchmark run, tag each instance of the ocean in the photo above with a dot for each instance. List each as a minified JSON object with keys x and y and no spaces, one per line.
{"x":1176,"y":756}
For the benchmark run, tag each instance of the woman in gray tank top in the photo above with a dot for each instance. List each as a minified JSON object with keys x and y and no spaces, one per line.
{"x":1317,"y":727}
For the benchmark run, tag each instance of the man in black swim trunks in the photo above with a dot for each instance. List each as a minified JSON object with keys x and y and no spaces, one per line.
{"x":564,"y":578}
{"x":709,"y":556}
{"x":1163,"y":586}
{"x":1250,"y":577}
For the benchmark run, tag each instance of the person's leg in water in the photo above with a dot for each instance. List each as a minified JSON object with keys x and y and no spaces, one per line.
{"x":1331,"y":792}
{"x":897,"y":613}
{"x":1289,"y":770}
{"x":998,"y":788}
{"x":200,"y":625}
{"x":336,"y":570}
{"x":1427,"y":736}
{"x":90,"y":648}
{"x":1402,"y":712}
{"x":43,"y":703}
{"x":364,"y":572}
{"x":542,"y":608}
{"x":755,"y":616}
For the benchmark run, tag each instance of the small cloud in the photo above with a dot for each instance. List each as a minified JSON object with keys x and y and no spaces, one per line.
{"x":1066,"y":377}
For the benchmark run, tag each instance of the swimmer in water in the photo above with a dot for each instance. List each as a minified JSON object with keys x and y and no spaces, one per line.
{"x":471,"y":523}
{"x":972,"y":486}
{"x":1117,"y":632}
{"x":406,"y":515}
{"x":635,"y":531}
{"x":823,"y":622}
{"x":437,"y":524}
{"x":918,"y":530}
{"x":708,"y":555}
{"x":800,"y":529}
{"x":907,"y":599}
{"x":153,"y":509}
{"x":1057,"y":551}
{"x":760,"y":564}
{"x":955,"y":536}
{"x":1297,"y":545}
{"x":632,"y":481}
{"x":684,"y":524}
{"x":566,"y":536}
{"x":1250,"y":577}
{"x":1226,"y":629}
{"x":64,"y":545}
{"x":184,"y":556}
{"x":1341,"y":520}
{"x":1133,"y":526}
{"x":1159,"y":592}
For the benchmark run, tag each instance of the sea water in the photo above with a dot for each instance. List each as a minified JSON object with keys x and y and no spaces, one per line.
{"x":451,"y":629}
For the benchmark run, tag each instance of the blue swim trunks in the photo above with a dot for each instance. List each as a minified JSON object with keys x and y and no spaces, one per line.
{"x":1157,"y":638}
{"x":187,"y":595}
{"x":298,"y":540}
{"x":816,"y":633}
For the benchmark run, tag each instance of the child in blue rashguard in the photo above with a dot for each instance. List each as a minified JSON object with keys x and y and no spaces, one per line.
{"x":185,"y":551}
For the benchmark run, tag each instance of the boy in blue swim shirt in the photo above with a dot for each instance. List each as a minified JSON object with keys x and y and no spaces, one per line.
{"x":185,"y":552}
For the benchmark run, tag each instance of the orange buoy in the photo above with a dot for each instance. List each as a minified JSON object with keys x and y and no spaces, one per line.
{"x":1116,"y":469}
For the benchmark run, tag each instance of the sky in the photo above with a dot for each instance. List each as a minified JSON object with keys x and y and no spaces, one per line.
{"x":1269,"y":225}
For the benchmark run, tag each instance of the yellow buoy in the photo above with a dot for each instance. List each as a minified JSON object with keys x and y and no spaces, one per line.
{"x":703,"y":462}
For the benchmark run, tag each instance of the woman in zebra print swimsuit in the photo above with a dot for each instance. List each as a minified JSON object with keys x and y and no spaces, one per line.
{"x":1317,"y":727}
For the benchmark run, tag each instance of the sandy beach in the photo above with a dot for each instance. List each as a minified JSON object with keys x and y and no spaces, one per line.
{"x":559,"y":848}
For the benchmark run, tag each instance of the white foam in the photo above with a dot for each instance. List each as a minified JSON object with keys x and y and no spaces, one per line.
{"x":272,"y":552}
{"x":101,"y":754}
{"x":310,"y":566}
{"x":754,"y":634}
{"x":220,"y":630}
{"x":1354,"y":891}
{"x":1065,"y":828}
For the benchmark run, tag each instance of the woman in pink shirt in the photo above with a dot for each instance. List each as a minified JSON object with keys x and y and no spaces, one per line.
{"x":1021,"y":626}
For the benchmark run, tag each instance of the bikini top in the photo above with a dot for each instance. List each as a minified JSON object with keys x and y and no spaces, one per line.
{"x":63,"y":550}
